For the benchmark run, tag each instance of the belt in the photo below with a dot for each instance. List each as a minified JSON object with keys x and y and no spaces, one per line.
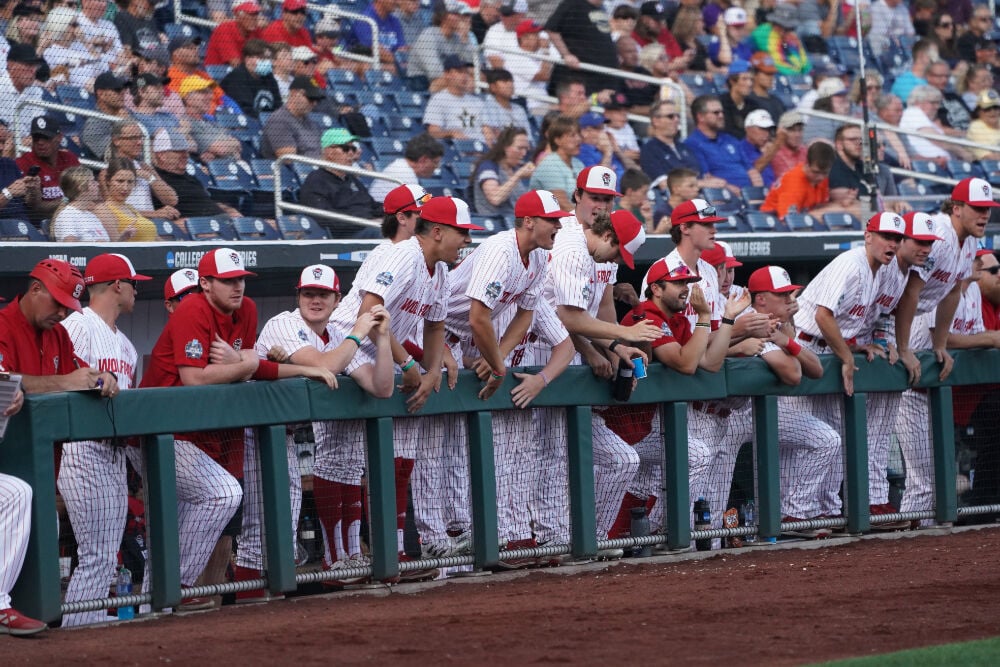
{"x":711,"y":409}
{"x":809,"y":338}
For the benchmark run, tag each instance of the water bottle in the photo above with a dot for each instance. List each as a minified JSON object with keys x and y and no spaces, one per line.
{"x":640,"y":528}
{"x":750,"y":520}
{"x":881,"y":335}
{"x":622,"y":389}
{"x":307,"y":534}
{"x":123,"y":587}
{"x":702,"y":521}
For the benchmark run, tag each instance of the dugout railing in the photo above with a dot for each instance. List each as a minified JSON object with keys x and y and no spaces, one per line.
{"x":152,"y":415}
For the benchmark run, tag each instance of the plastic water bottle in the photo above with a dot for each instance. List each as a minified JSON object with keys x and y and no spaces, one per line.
{"x":123,"y":587}
{"x":881,"y":334}
{"x":622,"y":389}
{"x":702,"y":521}
{"x":640,"y":528}
{"x":307,"y":534}
{"x":750,"y":520}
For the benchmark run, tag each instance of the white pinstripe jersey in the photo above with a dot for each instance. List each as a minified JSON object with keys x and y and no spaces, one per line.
{"x":574,"y":278}
{"x":291,"y":332}
{"x":102,"y":347}
{"x":410,"y":292}
{"x":372,"y":260}
{"x":968,"y":318}
{"x":948,"y":263}
{"x":546,"y":332}
{"x":847,"y":287}
{"x":709,"y":285}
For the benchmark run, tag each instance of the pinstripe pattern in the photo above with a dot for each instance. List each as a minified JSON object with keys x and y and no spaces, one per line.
{"x":15,"y":524}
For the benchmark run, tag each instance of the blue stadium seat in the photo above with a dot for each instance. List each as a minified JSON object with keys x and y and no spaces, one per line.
{"x":700,"y":84}
{"x":841,"y":222}
{"x":469,"y":147}
{"x":342,"y":79}
{"x":74,"y":96}
{"x":723,"y":200}
{"x":302,"y":171}
{"x":388,"y":146}
{"x":200,"y":172}
{"x":914,"y":193}
{"x":232,"y":183}
{"x":439,"y":189}
{"x":961,"y":169}
{"x":410,"y":103}
{"x":254,"y":229}
{"x":753,"y":196}
{"x":384,"y":80}
{"x":324,"y":120}
{"x":20,"y":230}
{"x":803,"y":222}
{"x":294,"y":227}
{"x":490,"y":224}
{"x":170,"y":231}
{"x":403,"y":127}
{"x":763,"y":222}
{"x":211,"y":228}
{"x":734,"y":223}
{"x":376,"y":103}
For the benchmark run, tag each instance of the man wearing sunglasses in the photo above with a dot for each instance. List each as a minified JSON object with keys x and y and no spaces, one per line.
{"x":333,"y":190}
{"x":291,"y":27}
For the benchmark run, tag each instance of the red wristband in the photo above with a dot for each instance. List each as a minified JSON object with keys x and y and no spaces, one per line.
{"x":793,"y":348}
{"x":266,"y":370}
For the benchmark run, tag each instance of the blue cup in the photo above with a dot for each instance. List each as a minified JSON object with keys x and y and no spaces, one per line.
{"x":638,"y":368}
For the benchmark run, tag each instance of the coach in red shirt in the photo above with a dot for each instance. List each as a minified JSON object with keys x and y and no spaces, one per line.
{"x":291,"y":27}
{"x":50,"y":160}
{"x":225,"y":46}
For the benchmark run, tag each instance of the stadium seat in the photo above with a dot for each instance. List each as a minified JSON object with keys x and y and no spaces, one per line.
{"x":469,"y":147}
{"x":753,"y":196}
{"x":762,"y":222}
{"x":298,"y":227}
{"x":200,"y":172}
{"x":961,"y":169}
{"x":232,"y":183}
{"x":734,"y":223}
{"x":723,"y":200}
{"x":700,"y":84}
{"x":383,"y":80}
{"x":439,"y":189}
{"x":170,"y":231}
{"x":254,"y":229}
{"x":803,"y":222}
{"x":324,"y":120}
{"x":915,"y":192}
{"x":74,"y":96}
{"x":410,"y":103}
{"x":20,"y":230}
{"x":391,"y":147}
{"x":211,"y":228}
{"x":490,"y":224}
{"x":302,"y":171}
{"x":403,"y":127}
{"x":376,"y":103}
{"x":841,"y":222}
{"x":342,"y":79}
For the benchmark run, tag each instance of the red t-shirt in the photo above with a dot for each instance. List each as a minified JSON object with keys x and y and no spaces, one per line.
{"x":665,"y":38}
{"x":967,"y":398}
{"x":25,"y":349}
{"x":991,"y":316}
{"x":49,"y":174}
{"x":186,"y":341}
{"x":226,"y":43}
{"x":277,"y":32}
{"x":632,"y":423}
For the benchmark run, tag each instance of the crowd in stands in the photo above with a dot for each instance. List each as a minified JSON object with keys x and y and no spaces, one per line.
{"x":454,"y":95}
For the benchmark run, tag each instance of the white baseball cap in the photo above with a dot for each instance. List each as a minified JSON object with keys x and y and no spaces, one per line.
{"x":450,"y":211}
{"x":771,"y":279}
{"x":170,"y":140}
{"x":974,"y":191}
{"x":735,"y":16}
{"x":598,"y":180}
{"x":831,"y":86}
{"x":319,"y":276}
{"x":179,"y":283}
{"x":538,"y":204}
{"x":222,"y":263}
{"x":759,"y":118}
{"x":886,"y":223}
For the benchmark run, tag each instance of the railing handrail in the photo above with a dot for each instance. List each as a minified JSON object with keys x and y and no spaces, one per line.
{"x":90,"y":113}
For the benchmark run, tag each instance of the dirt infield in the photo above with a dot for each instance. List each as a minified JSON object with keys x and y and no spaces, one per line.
{"x":756,"y":606}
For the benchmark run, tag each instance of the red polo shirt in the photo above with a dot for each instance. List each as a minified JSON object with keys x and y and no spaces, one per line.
{"x":49,"y":174}
{"x":25,"y":349}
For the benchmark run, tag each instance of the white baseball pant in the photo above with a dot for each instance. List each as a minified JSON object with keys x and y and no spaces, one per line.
{"x":549,"y":478}
{"x":615,"y":466}
{"x":913,"y":427}
{"x":807,"y":450}
{"x":15,"y":525}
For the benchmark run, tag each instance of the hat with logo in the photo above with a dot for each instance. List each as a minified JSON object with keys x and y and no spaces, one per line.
{"x":791,"y":119}
{"x":631,"y":235}
{"x":736,"y":16}
{"x":974,"y":191}
{"x":528,"y":26}
{"x":222,"y":263}
{"x":63,"y":281}
{"x":512,"y":7}
{"x":337,"y":136}
{"x":592,"y":119}
{"x":759,"y":118}
{"x":450,"y":211}
{"x":248,"y":6}
{"x":45,"y":126}
{"x":695,"y":210}
{"x":148,"y":79}
{"x":156,"y":52}
{"x":651,"y":9}
{"x":293,"y":5}
{"x":721,"y":253}
{"x":538,"y":204}
{"x":303,"y":54}
{"x":180,"y":41}
{"x":886,"y":223}
{"x":108,"y":81}
{"x":771,"y":279}
{"x":785,"y":15}
{"x":179,"y":283}
{"x":831,"y":86}
{"x":919,"y":226}
{"x":762,"y":62}
{"x":617,"y":102}
{"x":319,"y":276}
{"x":405,"y":198}
{"x":987,"y":99}
{"x":598,"y":180}
{"x":458,"y":7}
{"x":109,"y":267}
{"x":672,"y":269}
{"x":307,"y":86}
{"x":170,"y":140}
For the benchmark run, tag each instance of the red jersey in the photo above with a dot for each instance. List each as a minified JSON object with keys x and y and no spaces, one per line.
{"x":186,"y":341}
{"x":277,"y":32}
{"x":991,"y":316}
{"x":967,"y":398}
{"x":25,"y":349}
{"x":49,"y":174}
{"x":632,"y":423}
{"x":226,"y":44}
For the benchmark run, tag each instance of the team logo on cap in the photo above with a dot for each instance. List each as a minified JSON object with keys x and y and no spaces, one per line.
{"x":987,"y":190}
{"x":897,"y":222}
{"x":493,"y":290}
{"x":77,"y":291}
{"x":317,"y":273}
{"x":40,"y":123}
{"x":385,"y":278}
{"x":606,"y":179}
{"x":193,"y":349}
{"x":788,"y":279}
{"x":929,"y":224}
{"x":189,"y":274}
{"x":551,"y":197}
{"x":235,"y":259}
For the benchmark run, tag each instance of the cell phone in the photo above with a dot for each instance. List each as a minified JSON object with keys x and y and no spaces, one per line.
{"x":33,"y":171}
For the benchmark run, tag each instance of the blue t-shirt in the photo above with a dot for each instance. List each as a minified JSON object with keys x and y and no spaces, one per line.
{"x":720,"y":157}
{"x":15,"y":208}
{"x":590,"y":155}
{"x":658,"y":159}
{"x":390,"y":31}
{"x":750,"y":155}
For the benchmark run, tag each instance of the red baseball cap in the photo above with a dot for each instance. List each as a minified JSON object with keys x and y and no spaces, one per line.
{"x":721,"y":253}
{"x":248,"y":6}
{"x":538,"y":204}
{"x":598,"y":180}
{"x":919,"y":226}
{"x":292,"y":5}
{"x":109,"y":267}
{"x":771,"y":279}
{"x":450,"y":211}
{"x":63,"y":281}
{"x":695,"y":210}
{"x":982,"y":252}
{"x":319,"y":276}
{"x":631,"y":235}
{"x":405,"y":198}
{"x":528,"y":26}
{"x":975,"y":192}
{"x":179,"y":283}
{"x":222,"y":263}
{"x":671,"y":268}
{"x":886,"y":223}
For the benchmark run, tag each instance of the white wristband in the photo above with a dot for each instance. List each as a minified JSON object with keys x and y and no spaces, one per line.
{"x":8,"y":195}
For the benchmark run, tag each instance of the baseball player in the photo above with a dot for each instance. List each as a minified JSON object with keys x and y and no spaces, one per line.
{"x":919,"y":326}
{"x":967,"y":328}
{"x":303,"y":336}
{"x":179,"y":285}
{"x":92,"y":477}
{"x":209,"y":340}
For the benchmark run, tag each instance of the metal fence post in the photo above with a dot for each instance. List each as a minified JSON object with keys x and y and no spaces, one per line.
{"x":483,"y":490}
{"x":943,"y":432}
{"x":675,"y":475}
{"x":856,"y":463}
{"x":272,"y":441}
{"x":582,"y":504}
{"x":765,"y":427}
{"x":382,"y":498}
{"x":161,"y":518}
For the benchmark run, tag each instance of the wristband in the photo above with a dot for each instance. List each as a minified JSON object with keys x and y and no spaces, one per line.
{"x":409,"y":364}
{"x":703,"y":324}
{"x":545,"y":378}
{"x":615,"y":343}
{"x":8,"y":195}
{"x":793,"y":348}
{"x":729,"y":320}
{"x":498,"y":376}
{"x":266,"y":370}
{"x":357,"y":341}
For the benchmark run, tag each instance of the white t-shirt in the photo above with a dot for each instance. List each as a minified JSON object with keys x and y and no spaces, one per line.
{"x":915,"y":119}
{"x":83,"y":225}
{"x":456,"y":112}
{"x":399,"y":169}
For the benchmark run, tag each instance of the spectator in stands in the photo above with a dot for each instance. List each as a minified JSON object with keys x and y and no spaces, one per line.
{"x":688,"y":26}
{"x":251,"y":84}
{"x":50,"y":160}
{"x":806,"y":188}
{"x":391,"y":36}
{"x":185,"y":61}
{"x":635,"y":190}
{"x":558,"y":170}
{"x":889,"y":18}
{"x":651,"y":27}
{"x":848,"y":180}
{"x":820,"y":73}
{"x":411,"y":19}
{"x":449,"y":36}
{"x":616,"y":112}
{"x":832,"y":99}
{"x":456,"y":112}
{"x":109,"y":93}
{"x":225,"y":46}
{"x":639,"y":95}
{"x":924,"y":53}
{"x":662,"y":152}
{"x":921,"y":107}
{"x":598,"y":147}
{"x":890,"y":111}
{"x":764,"y":70}
{"x":332,"y":190}
{"x":503,"y":34}
{"x":944,"y":36}
{"x":718,"y":153}
{"x":282,"y":65}
{"x":736,"y":103}
{"x":127,"y":143}
{"x":147,"y":93}
{"x":100,"y":35}
{"x":327,"y":35}
{"x":18,"y":193}
{"x":531,"y":76}
{"x":953,"y":116}
{"x":121,"y":219}
{"x":487,"y":16}
{"x":980,"y":24}
{"x":291,"y":27}
{"x":791,"y":149}
{"x":580,"y":32}
{"x":306,"y":63}
{"x":778,"y":39}
{"x":74,"y":219}
{"x":290,"y":129}
{"x":136,"y":27}
{"x":571,"y":97}
{"x":421,"y":157}
{"x":985,"y":129}
{"x":683,"y":186}
{"x":170,"y":157}
{"x":499,"y":111}
{"x":71,"y":61}
{"x":22,"y":65}
{"x":25,"y":25}
{"x":211,"y":141}
{"x":977,"y":79}
{"x":759,"y":145}
{"x":500,"y":176}
{"x":736,"y":32}
{"x":873,"y":87}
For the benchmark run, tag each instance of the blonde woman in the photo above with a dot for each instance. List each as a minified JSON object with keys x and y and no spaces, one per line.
{"x":74,"y":220}
{"x":61,"y":44}
{"x":120,"y":218}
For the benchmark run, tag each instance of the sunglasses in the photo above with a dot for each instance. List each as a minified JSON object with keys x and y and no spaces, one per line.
{"x":133,"y":283}
{"x":348,"y":148}
{"x":946,"y":25}
{"x":295,"y":11}
{"x":993,"y":269}
{"x":669,"y":116}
